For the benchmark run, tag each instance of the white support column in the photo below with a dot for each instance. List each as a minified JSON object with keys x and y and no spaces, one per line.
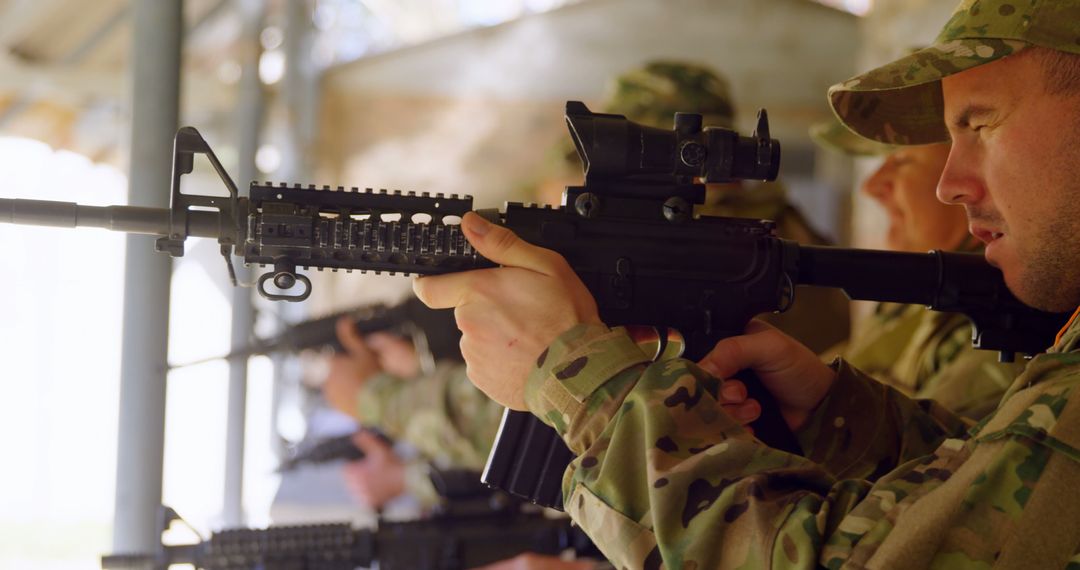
{"x":156,"y":50}
{"x":249,"y":119}
{"x":299,"y":93}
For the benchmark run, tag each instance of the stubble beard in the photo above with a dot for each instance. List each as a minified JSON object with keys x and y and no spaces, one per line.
{"x":1051,"y":277}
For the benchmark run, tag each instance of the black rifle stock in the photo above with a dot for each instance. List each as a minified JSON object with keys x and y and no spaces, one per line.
{"x":629,"y":233}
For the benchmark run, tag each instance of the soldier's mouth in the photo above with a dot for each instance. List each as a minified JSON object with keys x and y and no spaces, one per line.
{"x":986,"y":236}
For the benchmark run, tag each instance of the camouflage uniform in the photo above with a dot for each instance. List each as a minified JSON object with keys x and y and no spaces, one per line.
{"x":928,"y":355}
{"x":700,"y":492}
{"x":664,"y":478}
{"x":449,"y":421}
{"x":924,"y":354}
{"x":651,"y":96}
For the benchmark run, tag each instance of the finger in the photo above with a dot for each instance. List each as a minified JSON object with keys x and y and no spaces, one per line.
{"x":745,"y":412}
{"x":443,"y":291}
{"x":757,"y":326}
{"x":732,"y":392}
{"x":350,"y":340}
{"x":504,"y":247}
{"x":736,"y":353}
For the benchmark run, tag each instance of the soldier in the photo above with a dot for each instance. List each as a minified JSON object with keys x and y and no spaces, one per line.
{"x":924,"y":354}
{"x":449,"y":422}
{"x":669,"y":482}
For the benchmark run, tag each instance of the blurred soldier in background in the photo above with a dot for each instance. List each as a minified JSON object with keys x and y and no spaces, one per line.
{"x":449,"y":421}
{"x":377,"y":381}
{"x":925,"y":354}
{"x":651,"y":95}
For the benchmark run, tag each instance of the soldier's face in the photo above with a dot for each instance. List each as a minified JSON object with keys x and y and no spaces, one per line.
{"x":905,"y":185}
{"x":1015,"y":167}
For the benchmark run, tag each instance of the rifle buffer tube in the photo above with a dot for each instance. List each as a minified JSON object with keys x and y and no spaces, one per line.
{"x":944,"y":281}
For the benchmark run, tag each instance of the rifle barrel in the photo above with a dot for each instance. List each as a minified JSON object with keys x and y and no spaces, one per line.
{"x":130,"y":219}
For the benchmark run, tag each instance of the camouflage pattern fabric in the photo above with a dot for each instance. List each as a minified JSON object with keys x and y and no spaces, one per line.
{"x":652,"y":94}
{"x":901,"y":102}
{"x":665,"y":479}
{"x":833,"y":135}
{"x":928,"y":355}
{"x":449,"y":421}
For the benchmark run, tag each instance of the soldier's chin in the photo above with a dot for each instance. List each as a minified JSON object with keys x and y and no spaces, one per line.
{"x":1044,"y":294}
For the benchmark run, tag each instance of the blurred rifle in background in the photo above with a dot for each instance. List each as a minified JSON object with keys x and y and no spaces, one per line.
{"x":491,"y":529}
{"x":337,"y":448}
{"x":433,"y":333}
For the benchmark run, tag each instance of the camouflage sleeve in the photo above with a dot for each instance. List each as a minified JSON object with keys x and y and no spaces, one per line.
{"x":864,"y":429}
{"x":418,"y":484}
{"x":448,"y":420}
{"x":374,"y":403}
{"x":664,"y":476}
{"x":968,"y":381}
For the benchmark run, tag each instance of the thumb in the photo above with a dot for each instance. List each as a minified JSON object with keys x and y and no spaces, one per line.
{"x":754,"y":349}
{"x":504,"y":247}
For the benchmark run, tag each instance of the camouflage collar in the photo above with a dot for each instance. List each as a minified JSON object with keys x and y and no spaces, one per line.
{"x":1068,"y":339}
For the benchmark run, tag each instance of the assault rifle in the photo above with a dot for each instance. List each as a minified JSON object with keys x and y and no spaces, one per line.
{"x":629,"y":233}
{"x":447,"y":541}
{"x":337,"y":448}
{"x":433,"y":332}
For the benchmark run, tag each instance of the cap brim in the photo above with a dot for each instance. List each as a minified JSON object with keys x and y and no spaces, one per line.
{"x":901,"y":102}
{"x":835,"y":136}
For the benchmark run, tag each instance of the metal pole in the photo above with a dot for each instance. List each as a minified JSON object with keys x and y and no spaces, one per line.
{"x":300,"y":88}
{"x":300,"y":92}
{"x":249,"y":115}
{"x":155,"y":110}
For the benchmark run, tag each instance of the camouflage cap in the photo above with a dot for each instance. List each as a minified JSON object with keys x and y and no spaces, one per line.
{"x":833,"y":135}
{"x":652,"y":94}
{"x":901,"y":103}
